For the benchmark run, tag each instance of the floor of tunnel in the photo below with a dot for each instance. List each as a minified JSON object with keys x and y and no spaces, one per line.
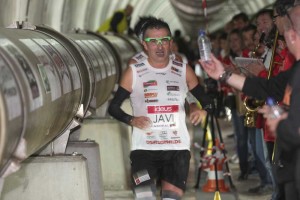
{"x":241,"y":187}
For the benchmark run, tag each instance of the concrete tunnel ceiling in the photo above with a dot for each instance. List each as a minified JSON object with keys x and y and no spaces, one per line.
{"x":187,"y":15}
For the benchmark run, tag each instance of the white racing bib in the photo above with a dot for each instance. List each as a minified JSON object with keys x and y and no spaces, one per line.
{"x":164,"y":117}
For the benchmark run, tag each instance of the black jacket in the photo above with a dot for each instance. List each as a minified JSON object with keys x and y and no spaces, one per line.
{"x":288,"y":132}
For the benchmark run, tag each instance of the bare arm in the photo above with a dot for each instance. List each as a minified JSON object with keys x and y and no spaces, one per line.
{"x":132,"y":61}
{"x":236,"y":81}
{"x":126,"y":80}
{"x":215,"y":69}
{"x":196,"y":114}
{"x":122,"y":93}
{"x":191,"y":78}
{"x":196,"y":89}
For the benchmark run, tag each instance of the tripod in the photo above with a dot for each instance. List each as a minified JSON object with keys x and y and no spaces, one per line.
{"x":212,"y":120}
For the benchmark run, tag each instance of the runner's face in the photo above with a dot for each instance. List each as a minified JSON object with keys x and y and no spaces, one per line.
{"x":159,"y":51}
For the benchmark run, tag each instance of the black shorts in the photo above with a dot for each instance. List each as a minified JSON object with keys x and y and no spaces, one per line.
{"x":170,"y":166}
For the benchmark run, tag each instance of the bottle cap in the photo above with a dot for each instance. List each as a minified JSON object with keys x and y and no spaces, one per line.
{"x":201,"y":32}
{"x":270,"y":101}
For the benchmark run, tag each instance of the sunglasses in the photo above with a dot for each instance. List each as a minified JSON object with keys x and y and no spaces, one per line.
{"x":156,"y":41}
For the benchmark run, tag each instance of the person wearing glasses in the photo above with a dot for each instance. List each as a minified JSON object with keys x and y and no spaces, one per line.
{"x":157,"y":87}
{"x":193,"y":107}
{"x":138,"y":30}
{"x":283,"y":87}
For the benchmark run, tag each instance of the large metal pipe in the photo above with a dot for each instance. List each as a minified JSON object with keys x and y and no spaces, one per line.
{"x":48,"y":79}
{"x":109,"y":52}
{"x":47,"y":71}
{"x":102,"y":62}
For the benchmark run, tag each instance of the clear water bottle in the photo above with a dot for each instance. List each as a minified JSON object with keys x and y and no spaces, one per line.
{"x":275,"y":109}
{"x":204,"y":46}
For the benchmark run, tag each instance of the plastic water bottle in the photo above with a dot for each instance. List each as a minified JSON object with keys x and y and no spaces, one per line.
{"x":275,"y":109}
{"x":204,"y":46}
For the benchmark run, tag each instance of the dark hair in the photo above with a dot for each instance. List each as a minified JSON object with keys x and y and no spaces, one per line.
{"x":243,"y":16}
{"x":281,"y":6}
{"x":140,"y":25}
{"x":250,"y":27}
{"x":213,"y":36}
{"x":177,"y":33}
{"x":264,"y":12}
{"x":157,"y":24}
{"x":235,"y":31}
{"x":223,"y":36}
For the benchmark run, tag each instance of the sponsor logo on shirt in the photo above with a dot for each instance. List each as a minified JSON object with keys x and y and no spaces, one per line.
{"x":150,"y":95}
{"x":150,"y":89}
{"x":173,"y":99}
{"x":149,"y":133}
{"x":141,"y":70}
{"x":152,"y":137}
{"x":139,"y":57}
{"x":163,"y":109}
{"x":172,"y":88}
{"x":164,"y":142}
{"x":171,"y":82}
{"x":139,"y":64}
{"x":151,"y":100}
{"x":150,"y":83}
{"x":161,"y":73}
{"x":163,"y":134}
{"x":164,"y":117}
{"x":177,"y":63}
{"x":171,"y":125}
{"x":172,"y":94}
{"x":175,"y":69}
{"x":173,"y":72}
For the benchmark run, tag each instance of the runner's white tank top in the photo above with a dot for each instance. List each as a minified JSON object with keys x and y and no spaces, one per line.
{"x":160,"y":95}
{"x":140,"y":56}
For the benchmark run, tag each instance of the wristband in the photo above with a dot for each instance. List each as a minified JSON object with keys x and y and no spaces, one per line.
{"x":225,"y":76}
{"x":130,"y":121}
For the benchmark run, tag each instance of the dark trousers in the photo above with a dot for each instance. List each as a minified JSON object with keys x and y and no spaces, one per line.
{"x":260,"y":164}
{"x":270,"y":147}
{"x":297,"y":173}
{"x":287,"y":191}
{"x":241,"y":136}
{"x":287,"y":173}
